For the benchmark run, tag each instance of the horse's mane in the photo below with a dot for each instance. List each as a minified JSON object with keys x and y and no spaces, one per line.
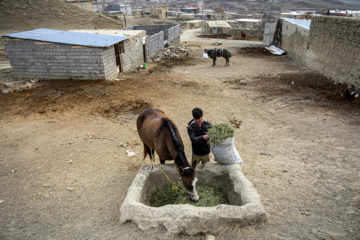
{"x":180,"y":159}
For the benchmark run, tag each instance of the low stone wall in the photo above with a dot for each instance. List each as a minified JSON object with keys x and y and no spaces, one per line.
{"x":235,"y":32}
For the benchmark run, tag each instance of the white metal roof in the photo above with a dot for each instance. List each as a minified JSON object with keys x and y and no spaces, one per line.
{"x":66,"y":37}
{"x":248,"y":20}
{"x":299,"y":22}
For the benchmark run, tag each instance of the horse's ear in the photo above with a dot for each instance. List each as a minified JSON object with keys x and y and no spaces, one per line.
{"x":193,"y":165}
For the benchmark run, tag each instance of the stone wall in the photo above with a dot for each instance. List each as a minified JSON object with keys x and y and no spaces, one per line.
{"x":108,"y":55}
{"x":294,"y":40}
{"x":331,"y":47}
{"x":158,"y":34}
{"x":154,"y":43}
{"x":172,"y":32}
{"x":133,"y":54}
{"x":44,"y":60}
{"x":334,"y":48}
{"x":250,"y":33}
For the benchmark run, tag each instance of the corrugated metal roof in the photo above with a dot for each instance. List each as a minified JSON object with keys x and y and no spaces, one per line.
{"x":72,"y":38}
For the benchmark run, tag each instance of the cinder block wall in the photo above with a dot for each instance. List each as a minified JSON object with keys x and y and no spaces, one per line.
{"x":155,"y":43}
{"x":108,"y":56}
{"x":334,"y":48}
{"x":43,"y":60}
{"x":172,"y":34}
{"x":134,"y":54}
{"x":158,"y":34}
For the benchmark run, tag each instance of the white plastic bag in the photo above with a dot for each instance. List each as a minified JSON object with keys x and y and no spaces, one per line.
{"x":225,"y":152}
{"x":205,"y":55}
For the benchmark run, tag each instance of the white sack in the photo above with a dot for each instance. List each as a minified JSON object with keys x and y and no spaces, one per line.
{"x":225,"y":152}
{"x":205,"y":55}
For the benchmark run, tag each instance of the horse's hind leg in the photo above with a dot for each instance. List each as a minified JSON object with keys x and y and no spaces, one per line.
{"x":151,"y":153}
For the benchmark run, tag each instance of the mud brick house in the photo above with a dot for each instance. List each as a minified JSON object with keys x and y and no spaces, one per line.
{"x":53,"y":54}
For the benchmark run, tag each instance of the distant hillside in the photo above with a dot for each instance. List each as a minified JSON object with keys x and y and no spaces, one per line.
{"x":55,"y":14}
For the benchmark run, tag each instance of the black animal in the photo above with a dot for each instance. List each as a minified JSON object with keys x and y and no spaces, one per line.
{"x":213,"y":53}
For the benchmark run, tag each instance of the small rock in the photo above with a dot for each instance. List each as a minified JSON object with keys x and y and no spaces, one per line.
{"x":13,"y":171}
{"x":70,"y":161}
{"x":70,"y":189}
{"x":210,"y":237}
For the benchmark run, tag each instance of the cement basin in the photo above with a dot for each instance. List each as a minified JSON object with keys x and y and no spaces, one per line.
{"x":245,"y":206}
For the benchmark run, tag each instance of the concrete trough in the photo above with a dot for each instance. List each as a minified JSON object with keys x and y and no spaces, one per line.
{"x":245,"y":206}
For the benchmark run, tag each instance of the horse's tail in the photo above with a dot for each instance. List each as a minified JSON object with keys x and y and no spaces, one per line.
{"x":145,"y":151}
{"x":227,"y":52}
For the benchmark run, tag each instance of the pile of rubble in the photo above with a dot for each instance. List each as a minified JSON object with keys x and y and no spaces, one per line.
{"x":167,"y":53}
{"x":8,"y":87}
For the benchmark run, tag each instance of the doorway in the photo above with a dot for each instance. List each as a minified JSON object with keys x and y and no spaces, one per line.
{"x":119,"y":49}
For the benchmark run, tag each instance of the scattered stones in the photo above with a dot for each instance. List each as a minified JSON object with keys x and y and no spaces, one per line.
{"x":167,"y":53}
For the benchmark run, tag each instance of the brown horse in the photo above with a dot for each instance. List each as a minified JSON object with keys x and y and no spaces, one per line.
{"x":159,"y":133}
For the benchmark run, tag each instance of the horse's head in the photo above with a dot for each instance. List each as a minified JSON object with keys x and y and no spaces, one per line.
{"x":189,"y":181}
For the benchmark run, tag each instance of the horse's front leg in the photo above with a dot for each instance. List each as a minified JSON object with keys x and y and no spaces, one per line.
{"x":214,"y":61}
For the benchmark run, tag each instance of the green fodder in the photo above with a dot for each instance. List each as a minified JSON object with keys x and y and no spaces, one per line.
{"x":209,"y":196}
{"x":220,"y":132}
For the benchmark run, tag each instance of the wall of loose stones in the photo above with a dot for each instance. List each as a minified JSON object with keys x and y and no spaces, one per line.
{"x":43,"y":60}
{"x":334,"y":48}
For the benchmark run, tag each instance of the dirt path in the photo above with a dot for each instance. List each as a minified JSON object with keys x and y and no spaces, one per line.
{"x":298,"y":139}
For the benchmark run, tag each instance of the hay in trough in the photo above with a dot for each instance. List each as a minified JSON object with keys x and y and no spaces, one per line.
{"x":220,"y":132}
{"x":209,"y":196}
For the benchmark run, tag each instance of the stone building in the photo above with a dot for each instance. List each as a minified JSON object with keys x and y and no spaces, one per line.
{"x":53,"y":54}
{"x":217,"y":27}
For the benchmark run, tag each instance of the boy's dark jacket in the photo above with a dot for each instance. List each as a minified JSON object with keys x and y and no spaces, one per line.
{"x":199,"y":145}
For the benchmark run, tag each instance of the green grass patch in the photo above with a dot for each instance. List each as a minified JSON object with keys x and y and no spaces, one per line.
{"x":209,"y":196}
{"x":220,"y":132}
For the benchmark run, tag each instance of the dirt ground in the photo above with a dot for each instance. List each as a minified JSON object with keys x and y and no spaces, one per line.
{"x":298,"y":138}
